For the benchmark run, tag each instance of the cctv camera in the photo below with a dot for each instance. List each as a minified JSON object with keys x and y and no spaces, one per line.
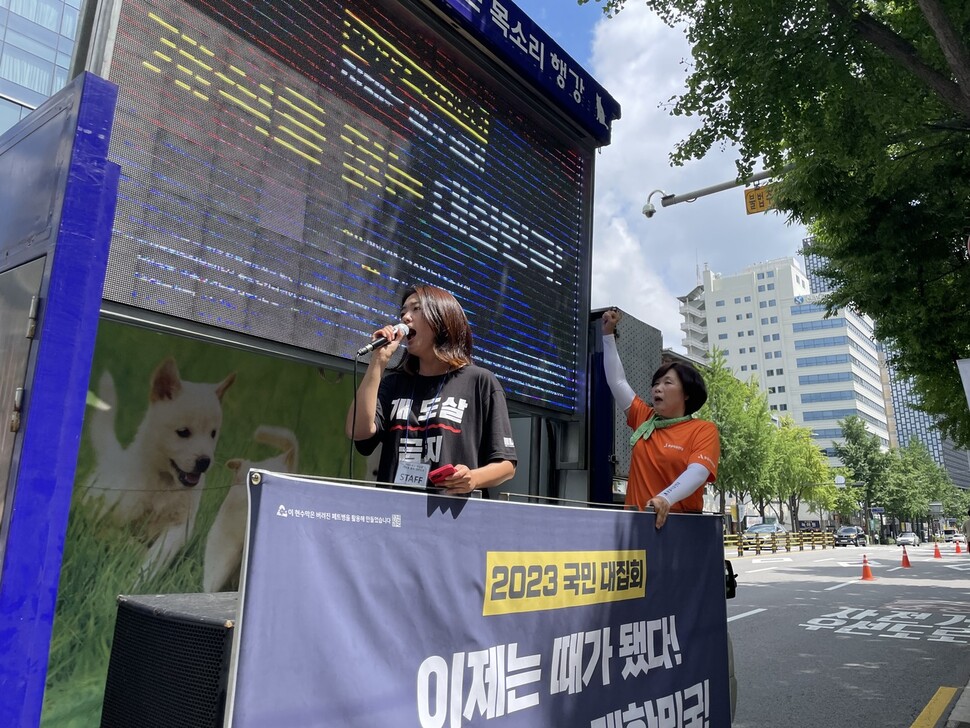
{"x":648,"y":209}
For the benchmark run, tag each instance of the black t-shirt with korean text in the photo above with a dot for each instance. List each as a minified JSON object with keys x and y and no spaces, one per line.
{"x":456,"y":418}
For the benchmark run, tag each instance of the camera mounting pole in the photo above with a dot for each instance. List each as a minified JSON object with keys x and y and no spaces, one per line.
{"x":667,"y":200}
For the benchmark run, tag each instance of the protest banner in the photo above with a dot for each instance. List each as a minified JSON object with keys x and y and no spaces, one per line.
{"x":365,"y":606}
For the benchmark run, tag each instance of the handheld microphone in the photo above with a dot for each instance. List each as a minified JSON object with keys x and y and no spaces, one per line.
{"x":382,"y":341}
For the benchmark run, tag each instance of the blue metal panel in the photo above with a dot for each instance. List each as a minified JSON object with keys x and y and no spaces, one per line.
{"x":43,"y":479}
{"x":601,"y":408}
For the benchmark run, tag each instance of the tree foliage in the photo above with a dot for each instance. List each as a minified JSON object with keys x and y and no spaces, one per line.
{"x":846,"y":502}
{"x":866,"y":105}
{"x":761,"y":462}
{"x":740,"y":412}
{"x":800,"y":470}
{"x":955,"y":501}
{"x":780,"y":467}
{"x":863,"y":459}
{"x":912,"y":481}
{"x":961,"y":505}
{"x":823,"y":497}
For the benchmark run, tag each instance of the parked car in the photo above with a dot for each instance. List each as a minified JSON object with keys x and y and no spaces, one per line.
{"x":960,"y":537}
{"x":850,"y":535}
{"x":907,"y":538}
{"x":762,"y":532}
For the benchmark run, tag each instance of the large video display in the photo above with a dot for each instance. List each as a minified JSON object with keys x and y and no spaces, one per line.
{"x":289,"y":168}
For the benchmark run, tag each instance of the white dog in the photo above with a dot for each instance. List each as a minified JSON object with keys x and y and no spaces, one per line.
{"x":157,"y":480}
{"x":224,"y":546}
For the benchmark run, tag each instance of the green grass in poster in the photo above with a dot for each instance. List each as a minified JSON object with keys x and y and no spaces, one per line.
{"x":103,"y":559}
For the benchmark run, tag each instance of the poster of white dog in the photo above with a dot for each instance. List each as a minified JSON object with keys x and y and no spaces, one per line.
{"x":173,"y":425}
{"x":158,"y":478}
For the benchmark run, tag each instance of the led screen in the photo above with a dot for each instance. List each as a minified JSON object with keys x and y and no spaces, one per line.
{"x":288,"y":168}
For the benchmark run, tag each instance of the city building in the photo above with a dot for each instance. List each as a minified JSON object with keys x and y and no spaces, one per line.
{"x":773,"y":329}
{"x":912,"y":423}
{"x":36,"y":44}
{"x":906,"y":420}
{"x":693,"y":309}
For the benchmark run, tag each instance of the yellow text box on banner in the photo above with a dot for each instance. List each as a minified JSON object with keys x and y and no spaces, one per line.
{"x":534,"y":581}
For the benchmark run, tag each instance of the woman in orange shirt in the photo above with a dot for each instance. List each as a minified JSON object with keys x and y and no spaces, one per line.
{"x":674,"y":454}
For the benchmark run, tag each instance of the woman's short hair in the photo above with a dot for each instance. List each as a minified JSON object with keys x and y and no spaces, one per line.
{"x":448,"y":322}
{"x":695,"y":391}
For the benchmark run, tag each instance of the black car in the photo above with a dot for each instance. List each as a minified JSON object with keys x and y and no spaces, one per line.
{"x":850,"y":535}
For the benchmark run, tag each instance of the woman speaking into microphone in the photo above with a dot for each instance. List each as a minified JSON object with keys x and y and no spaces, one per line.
{"x":435,"y":408}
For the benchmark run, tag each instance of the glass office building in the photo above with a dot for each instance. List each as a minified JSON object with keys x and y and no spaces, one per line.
{"x":36,"y":42}
{"x":773,"y":329}
{"x":909,"y":421}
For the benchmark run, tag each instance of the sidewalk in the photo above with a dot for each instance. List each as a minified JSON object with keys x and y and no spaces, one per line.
{"x":960,"y":715}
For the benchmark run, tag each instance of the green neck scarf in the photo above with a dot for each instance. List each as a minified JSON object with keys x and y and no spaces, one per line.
{"x":655,"y":422}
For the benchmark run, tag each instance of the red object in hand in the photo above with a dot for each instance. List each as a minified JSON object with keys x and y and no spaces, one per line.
{"x":439,"y":474}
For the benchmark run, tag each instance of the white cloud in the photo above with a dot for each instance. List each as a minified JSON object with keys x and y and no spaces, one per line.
{"x":643,"y":265}
{"x":623,"y":276}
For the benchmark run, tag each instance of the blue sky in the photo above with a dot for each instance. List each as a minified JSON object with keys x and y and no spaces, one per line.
{"x":642,"y":265}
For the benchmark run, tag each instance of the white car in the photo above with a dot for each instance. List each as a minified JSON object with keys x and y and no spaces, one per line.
{"x":763,"y":533}
{"x":959,"y":537}
{"x":907,"y":538}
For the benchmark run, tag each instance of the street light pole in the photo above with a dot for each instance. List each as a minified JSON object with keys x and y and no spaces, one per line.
{"x":666,"y":200}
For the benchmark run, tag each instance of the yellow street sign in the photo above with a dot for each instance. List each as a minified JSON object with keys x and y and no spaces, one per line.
{"x":758,"y":199}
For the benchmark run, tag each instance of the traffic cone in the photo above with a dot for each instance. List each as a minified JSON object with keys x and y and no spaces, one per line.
{"x":906,"y":564}
{"x":936,"y":551}
{"x":958,"y":548}
{"x":866,"y":571}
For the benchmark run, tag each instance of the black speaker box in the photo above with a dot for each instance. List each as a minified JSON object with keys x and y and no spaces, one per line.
{"x":169,"y":664}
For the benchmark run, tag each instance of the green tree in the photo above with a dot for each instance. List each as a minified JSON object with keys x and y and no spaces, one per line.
{"x":798,"y":466}
{"x":866,"y":104}
{"x":863,"y":458}
{"x":823,"y":497}
{"x":846,"y":502}
{"x":912,"y":479}
{"x":764,"y":492}
{"x":740,"y":412}
{"x":962,"y":505}
{"x":954,"y":500}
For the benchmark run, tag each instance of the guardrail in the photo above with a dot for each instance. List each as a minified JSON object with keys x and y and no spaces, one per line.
{"x":798,"y":541}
